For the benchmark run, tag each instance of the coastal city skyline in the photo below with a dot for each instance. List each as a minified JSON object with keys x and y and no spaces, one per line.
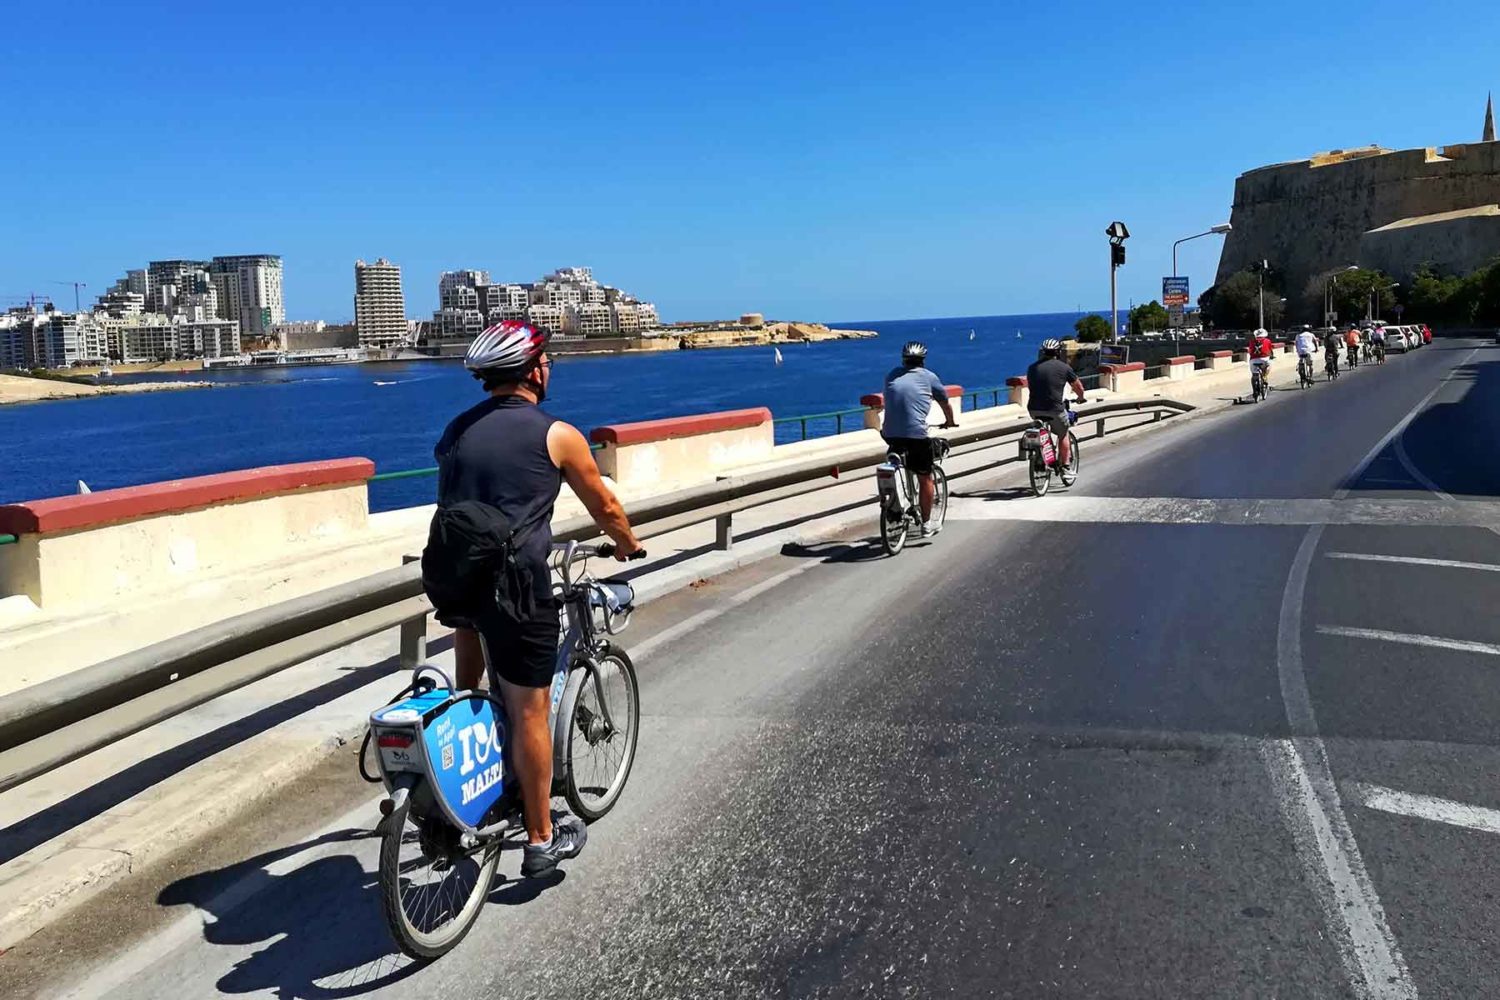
{"x":818,"y":186}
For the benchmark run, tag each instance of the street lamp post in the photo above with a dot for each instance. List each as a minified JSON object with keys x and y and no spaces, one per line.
{"x":1328,"y":287}
{"x":1218,"y":230}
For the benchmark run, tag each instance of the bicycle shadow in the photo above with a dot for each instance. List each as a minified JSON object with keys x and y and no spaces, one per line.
{"x":864,"y":550}
{"x":999,"y":495}
{"x":320,"y":923}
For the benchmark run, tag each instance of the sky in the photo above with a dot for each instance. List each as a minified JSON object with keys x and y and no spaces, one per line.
{"x":830,"y":161}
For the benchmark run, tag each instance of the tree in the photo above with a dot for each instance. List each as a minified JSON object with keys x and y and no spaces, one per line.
{"x":1092,"y":329}
{"x":1150,"y":316}
{"x":1353,"y":290}
{"x":1234,"y":303}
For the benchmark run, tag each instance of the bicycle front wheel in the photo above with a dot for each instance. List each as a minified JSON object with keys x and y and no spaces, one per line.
{"x":604,"y":722}
{"x":939,"y":498}
{"x":893,"y":528}
{"x":1069,"y":473}
{"x":431,"y":889}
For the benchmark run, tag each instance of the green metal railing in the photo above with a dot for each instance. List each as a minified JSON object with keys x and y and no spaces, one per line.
{"x":381,"y":477}
{"x":8,"y":539}
{"x":837,"y":416}
{"x":994,"y":392}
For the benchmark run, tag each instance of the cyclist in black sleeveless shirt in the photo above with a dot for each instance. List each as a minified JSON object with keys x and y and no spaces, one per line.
{"x":509,"y":452}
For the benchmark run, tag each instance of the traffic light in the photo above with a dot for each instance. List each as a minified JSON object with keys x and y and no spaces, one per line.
{"x":1117,"y":254}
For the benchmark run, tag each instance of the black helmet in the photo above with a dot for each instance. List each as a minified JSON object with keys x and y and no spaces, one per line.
{"x":914,"y":350}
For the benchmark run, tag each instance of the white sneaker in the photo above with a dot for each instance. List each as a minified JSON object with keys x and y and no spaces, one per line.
{"x":929,"y":530}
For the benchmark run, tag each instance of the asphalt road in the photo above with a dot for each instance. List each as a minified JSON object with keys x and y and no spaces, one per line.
{"x":1109,"y":743}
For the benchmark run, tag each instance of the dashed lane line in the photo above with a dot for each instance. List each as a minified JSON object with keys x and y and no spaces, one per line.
{"x":1428,"y":807}
{"x":1411,"y":639}
{"x":1414,"y":561}
{"x":1341,"y":510}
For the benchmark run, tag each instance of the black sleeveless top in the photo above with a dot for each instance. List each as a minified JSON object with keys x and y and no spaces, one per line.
{"x":496,"y":452}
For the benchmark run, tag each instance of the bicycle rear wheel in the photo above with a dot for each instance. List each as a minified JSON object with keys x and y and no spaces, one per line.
{"x":599,"y":750}
{"x":1069,"y":474}
{"x":1041,"y":476}
{"x":893,"y":528}
{"x":430,"y":888}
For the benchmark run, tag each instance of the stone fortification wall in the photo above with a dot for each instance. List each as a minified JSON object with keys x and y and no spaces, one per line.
{"x":1308,"y":217}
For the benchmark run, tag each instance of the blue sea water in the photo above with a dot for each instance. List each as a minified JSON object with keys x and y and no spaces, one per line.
{"x":393,"y":413}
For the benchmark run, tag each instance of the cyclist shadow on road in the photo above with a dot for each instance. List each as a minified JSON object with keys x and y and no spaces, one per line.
{"x":318,"y":928}
{"x":1001,"y":494}
{"x":865,"y":550}
{"x":1449,"y":446}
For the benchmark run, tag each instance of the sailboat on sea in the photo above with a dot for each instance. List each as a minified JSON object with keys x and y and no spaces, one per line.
{"x":778,"y":354}
{"x":971,"y":334}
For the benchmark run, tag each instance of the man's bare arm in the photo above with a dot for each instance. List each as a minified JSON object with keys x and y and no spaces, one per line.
{"x":571,"y":453}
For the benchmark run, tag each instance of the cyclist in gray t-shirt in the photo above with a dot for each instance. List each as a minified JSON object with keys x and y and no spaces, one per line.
{"x":909,"y":394}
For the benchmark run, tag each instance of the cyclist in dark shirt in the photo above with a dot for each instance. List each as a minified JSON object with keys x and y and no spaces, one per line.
{"x":1047,"y":380}
{"x":509,"y":452}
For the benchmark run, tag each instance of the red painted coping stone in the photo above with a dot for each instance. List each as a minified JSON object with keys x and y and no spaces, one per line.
{"x":876,"y":400}
{"x":1221,"y":354}
{"x":1182,"y":359}
{"x":1016,"y":381}
{"x":1134,"y":366}
{"x":130,"y":502}
{"x":646,"y":431}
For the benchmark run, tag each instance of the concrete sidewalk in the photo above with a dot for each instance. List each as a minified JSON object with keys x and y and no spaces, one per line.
{"x":78,"y":829}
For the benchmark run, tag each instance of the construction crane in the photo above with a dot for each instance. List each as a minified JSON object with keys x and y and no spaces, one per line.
{"x":76,"y":285}
{"x":29,"y":297}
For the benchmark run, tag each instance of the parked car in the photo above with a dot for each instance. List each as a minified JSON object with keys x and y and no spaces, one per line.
{"x":1426,"y":334}
{"x":1395,"y":340}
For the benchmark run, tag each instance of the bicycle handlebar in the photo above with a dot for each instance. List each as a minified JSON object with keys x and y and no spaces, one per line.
{"x":607,"y":551}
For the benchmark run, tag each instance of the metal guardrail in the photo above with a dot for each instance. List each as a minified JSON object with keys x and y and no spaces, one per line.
{"x":45,"y":726}
{"x":8,"y":539}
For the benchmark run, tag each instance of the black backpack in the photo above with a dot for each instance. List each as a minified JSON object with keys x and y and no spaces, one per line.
{"x":469,"y":567}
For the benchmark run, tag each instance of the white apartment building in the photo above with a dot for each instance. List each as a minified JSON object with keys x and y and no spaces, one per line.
{"x":553,"y":293}
{"x":627,"y":317}
{"x":451,"y":324}
{"x":138,"y":338}
{"x":450,"y":280}
{"x":65,"y":339}
{"x":588,"y":320}
{"x":254,"y":292}
{"x":379,"y":307}
{"x":15,"y":342}
{"x":545,"y":317}
{"x":206,"y":338}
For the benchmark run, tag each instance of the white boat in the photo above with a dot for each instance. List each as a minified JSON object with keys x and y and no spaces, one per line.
{"x":971,"y":334}
{"x":106,"y":372}
{"x":778,"y":354}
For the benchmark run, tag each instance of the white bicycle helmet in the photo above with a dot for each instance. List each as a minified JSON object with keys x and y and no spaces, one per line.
{"x":914,"y":349}
{"x":505,"y":350}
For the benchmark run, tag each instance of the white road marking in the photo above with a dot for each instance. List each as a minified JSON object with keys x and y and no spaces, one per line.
{"x":1414,"y":561}
{"x":1236,"y":512}
{"x":1374,"y":963}
{"x":1411,"y":639}
{"x":672,"y":633}
{"x":1428,"y":807}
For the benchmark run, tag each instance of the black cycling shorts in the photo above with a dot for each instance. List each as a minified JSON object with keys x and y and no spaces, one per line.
{"x":915,"y":452}
{"x":524,"y":652}
{"x":1057,"y":423}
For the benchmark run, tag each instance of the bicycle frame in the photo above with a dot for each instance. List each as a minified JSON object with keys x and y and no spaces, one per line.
{"x":410,"y":752}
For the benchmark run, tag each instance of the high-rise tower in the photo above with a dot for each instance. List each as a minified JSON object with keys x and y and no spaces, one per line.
{"x":1489,"y":120}
{"x":379,"y":309}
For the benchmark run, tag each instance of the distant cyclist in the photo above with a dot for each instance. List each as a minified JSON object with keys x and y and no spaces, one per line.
{"x":1046,"y":381}
{"x":1377,"y":339}
{"x":1306,"y":346}
{"x":909,"y":394}
{"x":1333,"y":345}
{"x":1351,"y":341}
{"x":511,"y":455}
{"x":1261,"y":350}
